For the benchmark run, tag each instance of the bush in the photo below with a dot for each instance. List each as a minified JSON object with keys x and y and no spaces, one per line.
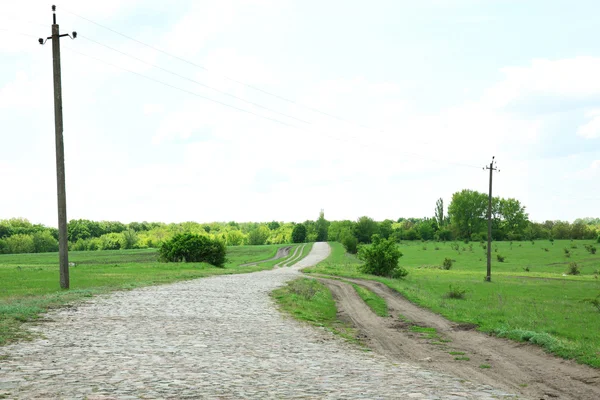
{"x":447,"y":264}
{"x":20,"y":243}
{"x":500,"y":258}
{"x":44,"y":242}
{"x":573,"y":269}
{"x":598,"y":239}
{"x":381,"y":258}
{"x":110,"y":241}
{"x":350,"y":243}
{"x":188,"y":247}
{"x":456,"y":292}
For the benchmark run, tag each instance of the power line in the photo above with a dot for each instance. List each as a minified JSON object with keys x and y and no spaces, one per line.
{"x":178,"y":88}
{"x":259,"y":115}
{"x":193,"y":80}
{"x":224,"y":76}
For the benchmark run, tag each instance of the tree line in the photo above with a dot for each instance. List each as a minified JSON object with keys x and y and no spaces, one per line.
{"x":464,"y":219}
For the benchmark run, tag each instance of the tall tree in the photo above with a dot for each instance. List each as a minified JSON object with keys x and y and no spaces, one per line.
{"x":439,"y":212}
{"x":467,"y":212}
{"x":321,"y":227}
{"x":364,"y":229}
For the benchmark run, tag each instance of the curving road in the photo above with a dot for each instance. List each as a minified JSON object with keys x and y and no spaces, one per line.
{"x":219,"y":337}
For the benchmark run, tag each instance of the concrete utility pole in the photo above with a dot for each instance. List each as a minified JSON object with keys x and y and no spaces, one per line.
{"x":488,"y":277}
{"x":63,"y":244}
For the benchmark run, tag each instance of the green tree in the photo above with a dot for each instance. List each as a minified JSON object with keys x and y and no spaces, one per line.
{"x":514,"y":218}
{"x":386,"y":228}
{"x":299,"y":233}
{"x":467,"y":212}
{"x":321,"y":227}
{"x":234,"y":238}
{"x":129,"y":239}
{"x":364,"y":229}
{"x":439,"y":213}
{"x":381,"y":258}
{"x":259,"y":235}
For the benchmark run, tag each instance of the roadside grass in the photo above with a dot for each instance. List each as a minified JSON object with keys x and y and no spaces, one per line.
{"x":543,"y":306}
{"x":311,"y":301}
{"x":375,"y":302}
{"x":29,"y":282}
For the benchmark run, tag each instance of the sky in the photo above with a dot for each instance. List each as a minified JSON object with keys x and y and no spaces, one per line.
{"x":261,"y":110}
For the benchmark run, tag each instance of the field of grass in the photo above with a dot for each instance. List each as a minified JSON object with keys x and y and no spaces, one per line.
{"x":530,"y":298}
{"x":311,"y":301}
{"x":29,"y":282}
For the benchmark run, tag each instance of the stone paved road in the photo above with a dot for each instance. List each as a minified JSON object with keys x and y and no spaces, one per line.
{"x":214,"y":338}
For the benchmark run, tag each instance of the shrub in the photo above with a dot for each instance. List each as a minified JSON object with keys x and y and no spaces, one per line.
{"x":500,"y":258}
{"x":456,"y":292}
{"x":259,"y":235}
{"x":110,"y":241}
{"x":598,"y":239}
{"x":447,"y":264}
{"x":381,"y":258}
{"x":188,"y":247}
{"x":573,"y":269}
{"x":567,"y":251}
{"x":44,"y":242}
{"x":591,"y":249}
{"x":454,"y":246}
{"x":350,"y":243}
{"x":20,"y":243}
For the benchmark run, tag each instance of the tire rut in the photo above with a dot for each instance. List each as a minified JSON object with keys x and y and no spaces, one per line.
{"x":515,"y":367}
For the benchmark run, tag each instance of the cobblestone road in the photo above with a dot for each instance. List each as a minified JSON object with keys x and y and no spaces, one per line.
{"x":214,"y":338}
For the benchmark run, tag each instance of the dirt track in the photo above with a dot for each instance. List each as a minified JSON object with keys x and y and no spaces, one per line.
{"x":515,"y":367}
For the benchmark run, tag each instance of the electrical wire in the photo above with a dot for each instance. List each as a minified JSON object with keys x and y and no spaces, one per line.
{"x":191,"y":80}
{"x":178,"y":88}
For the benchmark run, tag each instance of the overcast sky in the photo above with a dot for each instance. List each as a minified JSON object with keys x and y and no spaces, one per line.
{"x":382,"y":108}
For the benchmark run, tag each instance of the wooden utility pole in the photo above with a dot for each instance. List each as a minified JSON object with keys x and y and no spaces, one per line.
{"x":488,"y":277}
{"x":63,"y":244}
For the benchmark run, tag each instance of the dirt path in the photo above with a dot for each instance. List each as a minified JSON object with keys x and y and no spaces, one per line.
{"x":282,"y":252}
{"x":515,"y":367}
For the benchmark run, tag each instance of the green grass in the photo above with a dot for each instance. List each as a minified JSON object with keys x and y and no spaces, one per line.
{"x":456,"y":353}
{"x":311,"y":301}
{"x":376,"y":303}
{"x":485,"y":366}
{"x":462,"y":358}
{"x":541,"y":306}
{"x":30,"y":282}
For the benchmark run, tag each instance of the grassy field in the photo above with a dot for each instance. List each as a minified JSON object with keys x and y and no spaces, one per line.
{"x":530,"y":298}
{"x":311,"y":301}
{"x":29,"y":282}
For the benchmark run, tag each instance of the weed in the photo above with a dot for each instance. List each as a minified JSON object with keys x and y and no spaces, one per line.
{"x":437,"y":248}
{"x":456,"y":353}
{"x":485,"y":366}
{"x":526,"y":269}
{"x":456,"y":292}
{"x":462,"y":358}
{"x":573,"y":269}
{"x":500,"y":258}
{"x":546,"y":249}
{"x":447,"y":264}
{"x":567,"y":251}
{"x":424,"y":247}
